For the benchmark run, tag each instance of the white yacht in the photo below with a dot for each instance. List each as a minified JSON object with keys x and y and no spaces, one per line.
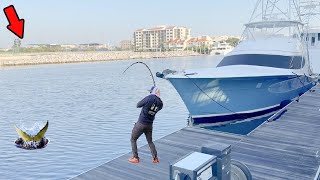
{"x":313,"y":42}
{"x":269,"y":68}
{"x":221,"y":48}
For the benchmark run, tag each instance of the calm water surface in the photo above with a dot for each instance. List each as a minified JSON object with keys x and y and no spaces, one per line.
{"x":91,"y":111}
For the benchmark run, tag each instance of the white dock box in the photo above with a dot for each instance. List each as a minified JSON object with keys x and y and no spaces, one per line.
{"x":194,"y":166}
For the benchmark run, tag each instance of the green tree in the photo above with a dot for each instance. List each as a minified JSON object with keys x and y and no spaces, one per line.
{"x":233,"y":41}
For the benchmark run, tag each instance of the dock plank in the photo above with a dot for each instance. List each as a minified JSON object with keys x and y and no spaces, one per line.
{"x":287,"y":148}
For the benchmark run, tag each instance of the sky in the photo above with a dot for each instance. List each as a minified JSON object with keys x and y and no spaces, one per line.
{"x":106,"y":21}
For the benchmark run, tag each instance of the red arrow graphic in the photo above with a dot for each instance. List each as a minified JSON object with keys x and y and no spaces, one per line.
{"x":16,"y":25}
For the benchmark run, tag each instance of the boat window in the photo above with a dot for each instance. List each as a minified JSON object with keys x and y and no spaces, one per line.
{"x":313,"y":40}
{"x":286,"y":62}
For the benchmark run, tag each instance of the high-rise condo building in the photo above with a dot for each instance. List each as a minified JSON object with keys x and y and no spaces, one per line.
{"x":153,"y":39}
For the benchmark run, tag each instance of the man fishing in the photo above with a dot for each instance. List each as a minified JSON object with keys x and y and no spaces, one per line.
{"x":150,"y":106}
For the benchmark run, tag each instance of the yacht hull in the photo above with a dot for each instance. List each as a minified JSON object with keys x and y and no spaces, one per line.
{"x":223,"y":100}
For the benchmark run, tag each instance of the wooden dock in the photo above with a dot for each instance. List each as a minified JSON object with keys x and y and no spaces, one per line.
{"x":287,"y":148}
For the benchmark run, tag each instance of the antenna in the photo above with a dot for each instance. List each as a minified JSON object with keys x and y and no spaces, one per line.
{"x":276,"y":10}
{"x":309,"y":12}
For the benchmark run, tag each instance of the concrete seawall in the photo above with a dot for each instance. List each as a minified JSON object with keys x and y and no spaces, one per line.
{"x":76,"y":57}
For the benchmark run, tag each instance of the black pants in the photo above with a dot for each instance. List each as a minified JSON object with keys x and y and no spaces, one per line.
{"x":137,"y":131}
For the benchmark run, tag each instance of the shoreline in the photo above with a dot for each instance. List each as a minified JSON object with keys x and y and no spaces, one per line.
{"x":25,"y":59}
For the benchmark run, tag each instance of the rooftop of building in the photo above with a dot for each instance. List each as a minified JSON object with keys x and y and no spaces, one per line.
{"x":159,"y":28}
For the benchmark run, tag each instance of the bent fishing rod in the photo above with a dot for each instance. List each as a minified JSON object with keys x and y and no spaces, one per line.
{"x":139,"y":62}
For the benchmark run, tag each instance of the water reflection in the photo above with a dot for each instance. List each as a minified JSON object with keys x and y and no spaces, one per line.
{"x":91,"y":108}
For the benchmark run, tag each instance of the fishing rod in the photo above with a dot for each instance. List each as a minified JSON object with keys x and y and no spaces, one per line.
{"x":139,"y":62}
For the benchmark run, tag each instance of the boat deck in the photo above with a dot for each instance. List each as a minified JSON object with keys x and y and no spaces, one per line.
{"x":287,"y":148}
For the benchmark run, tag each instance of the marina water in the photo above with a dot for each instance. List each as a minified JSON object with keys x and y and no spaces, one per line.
{"x":91,"y":109}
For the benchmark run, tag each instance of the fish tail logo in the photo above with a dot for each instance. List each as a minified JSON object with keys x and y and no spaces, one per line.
{"x":26,"y":137}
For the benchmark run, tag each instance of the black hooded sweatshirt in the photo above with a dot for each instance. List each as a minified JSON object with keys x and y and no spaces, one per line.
{"x":150,"y":106}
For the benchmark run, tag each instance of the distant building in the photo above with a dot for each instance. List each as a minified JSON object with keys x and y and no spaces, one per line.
{"x":220,"y":38}
{"x":177,"y":44}
{"x":189,"y":44}
{"x":42,"y":45}
{"x":4,"y":50}
{"x":16,"y":45}
{"x":93,"y":46}
{"x":153,"y":39}
{"x":223,"y":38}
{"x":70,"y":46}
{"x":126,"y":45}
{"x":201,"y":42}
{"x":35,"y":45}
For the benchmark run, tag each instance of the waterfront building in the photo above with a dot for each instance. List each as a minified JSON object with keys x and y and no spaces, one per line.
{"x":41,"y":45}
{"x":223,"y":38}
{"x":189,"y":44}
{"x":70,"y":46}
{"x":125,"y":45}
{"x":201,"y":41}
{"x":4,"y":50}
{"x":153,"y":39}
{"x":93,"y":46}
{"x":201,"y":44}
{"x":177,"y":44}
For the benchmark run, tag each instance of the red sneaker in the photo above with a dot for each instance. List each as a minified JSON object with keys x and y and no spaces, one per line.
{"x":155,"y":160}
{"x":134,"y":160}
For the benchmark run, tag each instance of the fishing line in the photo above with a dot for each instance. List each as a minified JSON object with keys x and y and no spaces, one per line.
{"x":240,"y":115}
{"x":298,"y":77}
{"x":139,"y":62}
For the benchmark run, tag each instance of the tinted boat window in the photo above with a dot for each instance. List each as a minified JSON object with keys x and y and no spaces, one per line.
{"x":286,"y":62}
